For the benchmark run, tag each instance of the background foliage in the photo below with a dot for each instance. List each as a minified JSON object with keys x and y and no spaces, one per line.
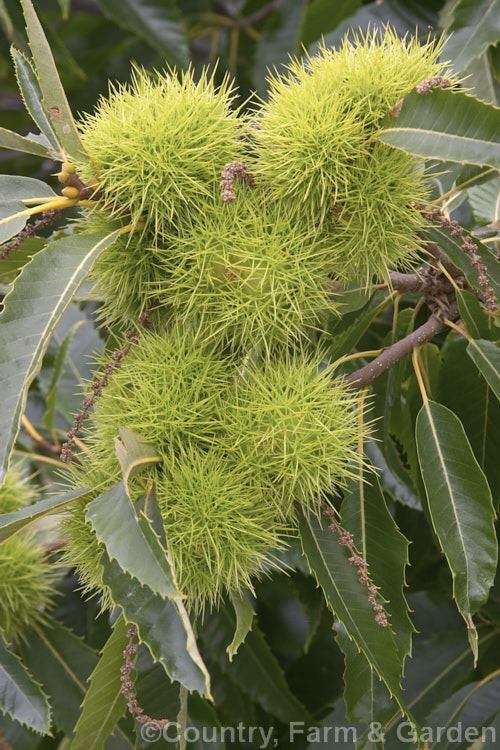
{"x":290,"y":666}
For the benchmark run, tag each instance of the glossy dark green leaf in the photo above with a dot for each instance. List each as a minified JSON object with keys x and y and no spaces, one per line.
{"x":62,"y":663}
{"x":394,"y":480}
{"x":104,"y":703}
{"x":448,"y":126}
{"x":486,"y":356}
{"x":478,"y":324}
{"x":244,"y":618}
{"x":158,"y":22}
{"x":16,"y":142}
{"x":20,"y":696}
{"x":473,"y":26}
{"x":54,"y":98}
{"x":32,"y":97}
{"x":479,"y":412}
{"x":32,"y":310}
{"x":130,"y":540}
{"x":254,"y":669}
{"x":366,"y":516}
{"x":460,"y":505}
{"x":13,"y":523}
{"x":156,"y":693}
{"x":167,"y":634}
{"x":439,"y":665}
{"x":472,"y":175}
{"x":347,"y":598}
{"x":471,"y":707}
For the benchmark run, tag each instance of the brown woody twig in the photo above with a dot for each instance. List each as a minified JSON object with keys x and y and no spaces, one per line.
{"x":392,"y":354}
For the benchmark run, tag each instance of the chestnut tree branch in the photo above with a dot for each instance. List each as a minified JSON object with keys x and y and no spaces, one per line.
{"x":392,"y":354}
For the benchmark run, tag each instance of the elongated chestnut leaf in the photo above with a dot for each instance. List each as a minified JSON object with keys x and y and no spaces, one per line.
{"x":20,"y":696}
{"x":486,"y":357}
{"x":348,"y":600}
{"x":32,"y":310}
{"x":448,"y":126}
{"x":13,"y":523}
{"x":131,"y":541}
{"x":104,"y":703}
{"x":163,"y":626}
{"x":15,"y":142}
{"x":472,"y":25}
{"x":460,"y":506}
{"x":244,"y":619}
{"x":366,"y":516}
{"x":32,"y":98}
{"x":55,"y":102}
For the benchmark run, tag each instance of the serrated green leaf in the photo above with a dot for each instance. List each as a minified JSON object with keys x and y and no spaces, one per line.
{"x":158,"y":22}
{"x":452,"y":246}
{"x":13,"y":523}
{"x":244,"y":618}
{"x":131,"y":541}
{"x":479,"y":412}
{"x":32,"y":98}
{"x":134,"y":453}
{"x":54,"y":99}
{"x":16,"y":142}
{"x":348,"y":600}
{"x":486,"y":356}
{"x":104,"y":703}
{"x":20,"y":696}
{"x":473,"y":26}
{"x":460,"y":506}
{"x":473,"y":706}
{"x":366,"y":516}
{"x":11,"y":226}
{"x":440,"y":663}
{"x":57,"y":372}
{"x":397,"y":484}
{"x":10,"y":267}
{"x":156,"y":693}
{"x":473,"y":316}
{"x":163,"y":626}
{"x":480,"y":81}
{"x":485,"y":203}
{"x":32,"y":310}
{"x":62,"y":662}
{"x":254,"y":669}
{"x":447,"y":126}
